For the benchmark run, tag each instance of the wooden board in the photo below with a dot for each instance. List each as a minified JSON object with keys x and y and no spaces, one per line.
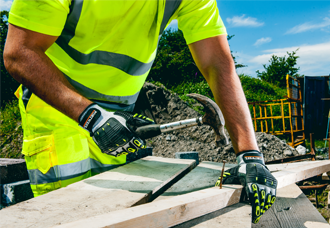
{"x":203,"y":176}
{"x":178,"y":209}
{"x":302,"y":213}
{"x":234,"y":216}
{"x":120,"y":188}
{"x":206,"y":174}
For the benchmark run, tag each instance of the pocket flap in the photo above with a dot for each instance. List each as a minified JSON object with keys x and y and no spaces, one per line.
{"x":37,"y":144}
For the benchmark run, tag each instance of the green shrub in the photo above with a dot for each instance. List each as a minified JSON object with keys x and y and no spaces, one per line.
{"x":10,"y":131}
{"x":258,"y":90}
{"x":8,"y":83}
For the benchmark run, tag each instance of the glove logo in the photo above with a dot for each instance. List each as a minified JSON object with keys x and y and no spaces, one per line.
{"x":253,"y":157}
{"x":89,"y":119}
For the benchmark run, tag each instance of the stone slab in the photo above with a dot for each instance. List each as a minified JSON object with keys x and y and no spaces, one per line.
{"x":12,"y":170}
{"x":16,"y":192}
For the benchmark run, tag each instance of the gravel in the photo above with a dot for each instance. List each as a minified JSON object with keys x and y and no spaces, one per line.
{"x":167,"y":107}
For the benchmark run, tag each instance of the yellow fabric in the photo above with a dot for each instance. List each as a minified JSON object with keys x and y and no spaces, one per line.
{"x":52,"y":139}
{"x":199,"y":20}
{"x":47,"y":16}
{"x":130,"y":28}
{"x":41,"y":189}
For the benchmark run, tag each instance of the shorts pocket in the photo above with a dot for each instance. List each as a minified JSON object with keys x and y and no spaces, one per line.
{"x":39,"y":153}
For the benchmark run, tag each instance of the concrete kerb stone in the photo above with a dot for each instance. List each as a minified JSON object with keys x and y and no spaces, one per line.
{"x":13,"y":193}
{"x":12,"y":170}
{"x":188,"y":155}
{"x":14,"y":182}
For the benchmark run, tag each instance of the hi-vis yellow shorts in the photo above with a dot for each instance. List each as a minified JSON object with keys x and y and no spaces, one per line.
{"x":57,"y":151}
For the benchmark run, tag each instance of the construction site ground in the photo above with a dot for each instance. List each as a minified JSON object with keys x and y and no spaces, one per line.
{"x":322,"y":194}
{"x":178,"y":192}
{"x":165,"y":107}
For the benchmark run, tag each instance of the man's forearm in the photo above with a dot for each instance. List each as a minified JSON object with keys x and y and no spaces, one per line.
{"x":213,"y":58}
{"x":229,"y":96}
{"x":29,"y":65}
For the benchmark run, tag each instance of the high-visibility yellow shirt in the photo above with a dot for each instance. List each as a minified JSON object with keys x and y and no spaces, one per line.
{"x":106,"y":48}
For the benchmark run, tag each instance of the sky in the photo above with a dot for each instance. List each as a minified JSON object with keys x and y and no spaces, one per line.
{"x":265,"y":28}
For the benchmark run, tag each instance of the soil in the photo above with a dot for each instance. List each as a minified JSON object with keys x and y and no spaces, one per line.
{"x":166,"y":107}
{"x":322,"y":195}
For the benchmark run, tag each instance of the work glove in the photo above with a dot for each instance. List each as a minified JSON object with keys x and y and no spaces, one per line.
{"x":113,"y":132}
{"x":260,"y":185}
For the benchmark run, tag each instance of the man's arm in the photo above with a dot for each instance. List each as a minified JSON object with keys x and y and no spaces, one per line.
{"x":214,"y":60}
{"x":26,"y":61}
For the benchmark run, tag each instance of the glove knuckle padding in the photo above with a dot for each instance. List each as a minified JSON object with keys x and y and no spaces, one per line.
{"x":255,"y":198}
{"x":112,"y":135}
{"x":113,"y":132}
{"x":134,"y":121}
{"x":260,"y":185}
{"x":231,"y":176}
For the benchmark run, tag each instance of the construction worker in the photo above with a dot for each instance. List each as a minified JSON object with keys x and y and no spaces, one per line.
{"x":82,"y":65}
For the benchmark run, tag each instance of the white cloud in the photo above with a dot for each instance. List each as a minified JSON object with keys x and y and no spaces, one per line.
{"x":309,"y":26}
{"x":5,"y":4}
{"x":242,"y":21}
{"x":314,"y":59}
{"x":262,"y":41}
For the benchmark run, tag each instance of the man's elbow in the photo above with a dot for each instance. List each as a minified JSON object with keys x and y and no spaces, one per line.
{"x":12,"y":57}
{"x":9,"y":58}
{"x":221,"y":68}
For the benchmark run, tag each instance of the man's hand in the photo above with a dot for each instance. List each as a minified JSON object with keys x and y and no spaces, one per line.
{"x":260,"y":185}
{"x":113,"y":132}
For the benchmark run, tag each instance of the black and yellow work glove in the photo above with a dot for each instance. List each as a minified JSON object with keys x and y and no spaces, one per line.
{"x":260,"y":185}
{"x":113,"y":132}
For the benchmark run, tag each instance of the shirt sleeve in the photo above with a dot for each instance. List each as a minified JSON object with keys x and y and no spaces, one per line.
{"x":42,"y":16}
{"x":199,"y":19}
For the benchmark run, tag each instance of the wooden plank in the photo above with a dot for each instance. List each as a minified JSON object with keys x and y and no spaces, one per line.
{"x":234,"y":216}
{"x":302,"y":213}
{"x":168,"y":212}
{"x":206,"y":174}
{"x":120,"y":188}
{"x":178,"y":209}
{"x":203,"y":176}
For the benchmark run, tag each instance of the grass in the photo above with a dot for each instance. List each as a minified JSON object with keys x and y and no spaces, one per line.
{"x":10,"y":131}
{"x":318,"y":144}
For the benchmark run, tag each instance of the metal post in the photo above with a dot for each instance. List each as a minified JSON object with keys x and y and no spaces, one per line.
{"x":255,"y":118}
{"x":291,"y":127}
{"x":262,"y":124}
{"x":312,"y":146}
{"x":316,"y":200}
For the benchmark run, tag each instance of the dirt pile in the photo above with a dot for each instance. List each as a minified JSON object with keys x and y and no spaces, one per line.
{"x":166,"y":107}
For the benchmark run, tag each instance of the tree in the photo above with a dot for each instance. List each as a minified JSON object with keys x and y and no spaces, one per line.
{"x":174,"y":63}
{"x":237,"y":65}
{"x":278,"y":68}
{"x":8,"y":84}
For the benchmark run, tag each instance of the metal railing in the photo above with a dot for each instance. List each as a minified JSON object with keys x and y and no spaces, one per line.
{"x":283,"y":116}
